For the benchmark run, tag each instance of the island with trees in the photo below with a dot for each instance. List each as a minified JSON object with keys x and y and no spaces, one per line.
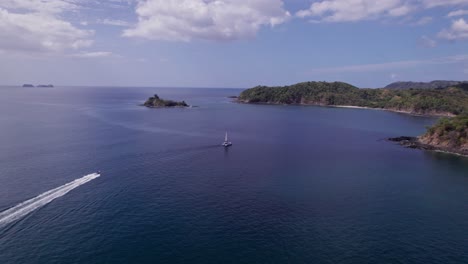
{"x":156,"y":102}
{"x":450,"y":101}
{"x":449,"y":135}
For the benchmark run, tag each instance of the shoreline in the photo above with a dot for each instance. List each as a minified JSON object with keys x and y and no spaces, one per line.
{"x":356,"y":107}
{"x":395,"y":111}
{"x":415,"y":143}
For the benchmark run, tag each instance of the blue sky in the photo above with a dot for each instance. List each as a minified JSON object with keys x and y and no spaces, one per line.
{"x":232,"y":43}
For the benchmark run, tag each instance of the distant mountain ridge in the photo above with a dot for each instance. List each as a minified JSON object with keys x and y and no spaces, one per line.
{"x":438,"y":84}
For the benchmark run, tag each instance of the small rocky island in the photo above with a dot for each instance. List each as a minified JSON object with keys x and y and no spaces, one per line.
{"x":449,"y":135}
{"x":39,"y":85}
{"x":156,"y":102}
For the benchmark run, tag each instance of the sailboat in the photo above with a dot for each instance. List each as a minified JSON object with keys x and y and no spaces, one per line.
{"x":226,"y":142}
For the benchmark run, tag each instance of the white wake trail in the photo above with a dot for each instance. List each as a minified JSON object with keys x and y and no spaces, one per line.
{"x":26,"y":207}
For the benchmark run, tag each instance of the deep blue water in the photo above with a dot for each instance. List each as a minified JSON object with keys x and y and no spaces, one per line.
{"x":300,"y":184}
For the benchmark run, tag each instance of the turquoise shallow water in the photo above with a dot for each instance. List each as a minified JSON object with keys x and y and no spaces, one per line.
{"x":300,"y":184}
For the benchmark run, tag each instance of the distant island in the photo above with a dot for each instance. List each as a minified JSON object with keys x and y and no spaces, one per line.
{"x":450,"y":101}
{"x":423,"y":85}
{"x":448,"y":135}
{"x":39,"y":85}
{"x":156,"y":102}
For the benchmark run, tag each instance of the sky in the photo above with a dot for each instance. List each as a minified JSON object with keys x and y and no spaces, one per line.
{"x":231,"y":43}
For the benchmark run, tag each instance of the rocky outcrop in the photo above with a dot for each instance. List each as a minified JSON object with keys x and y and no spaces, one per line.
{"x":156,"y":102}
{"x":448,"y":135}
{"x":417,"y":143}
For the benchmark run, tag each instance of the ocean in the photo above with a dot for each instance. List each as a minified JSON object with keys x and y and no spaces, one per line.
{"x":301,"y":184}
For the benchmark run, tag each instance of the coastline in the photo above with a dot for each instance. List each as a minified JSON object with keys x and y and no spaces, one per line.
{"x":415,"y":143}
{"x":396,"y":111}
{"x":357,"y":107}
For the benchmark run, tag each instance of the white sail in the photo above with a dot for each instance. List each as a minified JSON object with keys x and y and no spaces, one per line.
{"x":225,"y":138}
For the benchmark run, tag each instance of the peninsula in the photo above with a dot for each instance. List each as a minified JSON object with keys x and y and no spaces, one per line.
{"x":449,"y":101}
{"x":156,"y":102}
{"x":449,"y":135}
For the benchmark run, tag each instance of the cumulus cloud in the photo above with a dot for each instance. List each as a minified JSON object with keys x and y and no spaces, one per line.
{"x":40,"y":6}
{"x":460,"y":12}
{"x":427,"y":42}
{"x":96,"y":54}
{"x":184,"y":20}
{"x":35,"y":25}
{"x":423,"y":21}
{"x":435,"y":3}
{"x":114,"y":22}
{"x":355,"y":10}
{"x":457,"y":31}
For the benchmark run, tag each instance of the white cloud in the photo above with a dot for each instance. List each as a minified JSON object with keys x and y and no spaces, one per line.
{"x":35,"y":25}
{"x":355,"y":10}
{"x":458,"y":30}
{"x":436,"y":3}
{"x":114,"y":22}
{"x":39,"y":32}
{"x":460,"y":12}
{"x":184,"y":20}
{"x":41,"y":6}
{"x":423,"y":21}
{"x":427,"y":42}
{"x":391,"y":65}
{"x":96,"y":54}
{"x":400,"y":11}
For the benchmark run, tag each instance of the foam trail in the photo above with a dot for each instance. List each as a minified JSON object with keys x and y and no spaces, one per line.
{"x":26,"y":207}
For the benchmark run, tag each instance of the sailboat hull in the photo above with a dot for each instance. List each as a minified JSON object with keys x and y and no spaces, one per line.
{"x":226,"y":143}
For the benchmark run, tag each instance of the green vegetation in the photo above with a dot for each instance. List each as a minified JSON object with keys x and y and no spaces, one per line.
{"x":157,"y":102}
{"x":423,"y":85}
{"x":449,"y":133}
{"x":446,"y":101}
